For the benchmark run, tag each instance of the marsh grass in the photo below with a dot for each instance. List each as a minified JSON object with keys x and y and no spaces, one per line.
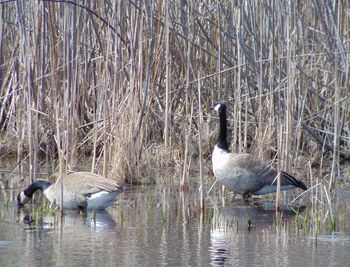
{"x":305,"y":224}
{"x":46,"y":208}
{"x":6,"y":201}
{"x":128,"y":84}
{"x":322,"y":216}
{"x":93,"y":216}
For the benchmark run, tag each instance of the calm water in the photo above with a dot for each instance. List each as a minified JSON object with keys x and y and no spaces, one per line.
{"x":158,"y":227}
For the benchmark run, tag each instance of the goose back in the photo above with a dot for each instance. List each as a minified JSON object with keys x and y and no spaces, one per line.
{"x":84,"y":190}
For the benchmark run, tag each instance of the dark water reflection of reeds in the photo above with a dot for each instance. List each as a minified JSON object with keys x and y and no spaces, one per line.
{"x":157,"y":226}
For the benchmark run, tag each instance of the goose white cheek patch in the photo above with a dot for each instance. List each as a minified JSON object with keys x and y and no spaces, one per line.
{"x":217,"y":107}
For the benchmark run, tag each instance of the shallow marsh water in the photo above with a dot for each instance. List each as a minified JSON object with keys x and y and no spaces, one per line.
{"x":160,"y":227}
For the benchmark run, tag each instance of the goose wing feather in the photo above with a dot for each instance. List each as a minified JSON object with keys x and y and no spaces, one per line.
{"x":86,"y":183}
{"x":90,"y":183}
{"x":253,"y":172}
{"x":261,"y":172}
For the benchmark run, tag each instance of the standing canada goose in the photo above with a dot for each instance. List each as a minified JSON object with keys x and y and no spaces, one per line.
{"x":81,"y":190}
{"x":244,"y":173}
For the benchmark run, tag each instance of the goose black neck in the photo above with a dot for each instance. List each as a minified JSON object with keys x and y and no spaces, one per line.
{"x":37,"y":185}
{"x":222,"y":143}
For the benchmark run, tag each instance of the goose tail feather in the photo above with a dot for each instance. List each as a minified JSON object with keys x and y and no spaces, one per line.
{"x":287,"y":179}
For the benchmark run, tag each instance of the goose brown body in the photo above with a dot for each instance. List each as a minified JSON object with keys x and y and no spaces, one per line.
{"x":81,"y":190}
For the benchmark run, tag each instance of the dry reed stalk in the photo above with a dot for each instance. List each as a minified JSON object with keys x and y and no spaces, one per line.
{"x":106,"y":131}
{"x":329,"y":202}
{"x":61,"y":161}
{"x":261,"y":107}
{"x":281,"y":65}
{"x":26,"y":81}
{"x":168,"y":77}
{"x":289,"y":98}
{"x":200,"y":150}
{"x":187,"y":160}
{"x":271,"y":109}
{"x":219,"y":54}
{"x":336,"y":122}
{"x":20,"y":132}
{"x":94,"y":149}
{"x":278,"y":193}
{"x":238,"y":105}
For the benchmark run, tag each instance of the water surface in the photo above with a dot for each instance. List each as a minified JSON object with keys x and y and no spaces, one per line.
{"x":153,"y":226}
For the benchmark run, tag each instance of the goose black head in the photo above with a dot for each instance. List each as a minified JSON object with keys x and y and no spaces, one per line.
{"x":22,"y":199}
{"x":219,"y":106}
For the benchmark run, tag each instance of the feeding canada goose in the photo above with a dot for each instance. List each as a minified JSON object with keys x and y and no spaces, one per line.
{"x":243,"y":173}
{"x":81,"y":190}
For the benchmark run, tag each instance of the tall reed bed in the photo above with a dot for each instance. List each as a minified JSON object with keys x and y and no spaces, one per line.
{"x":121,"y":82}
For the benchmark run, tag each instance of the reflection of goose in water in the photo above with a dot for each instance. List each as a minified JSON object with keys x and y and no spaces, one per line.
{"x":69,"y":240}
{"x":245,"y":213}
{"x":99,"y":220}
{"x":218,"y":249}
{"x":235,"y":221}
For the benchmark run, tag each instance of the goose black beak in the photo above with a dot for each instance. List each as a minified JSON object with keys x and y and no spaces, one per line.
{"x":212,"y":107}
{"x":18,"y":201}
